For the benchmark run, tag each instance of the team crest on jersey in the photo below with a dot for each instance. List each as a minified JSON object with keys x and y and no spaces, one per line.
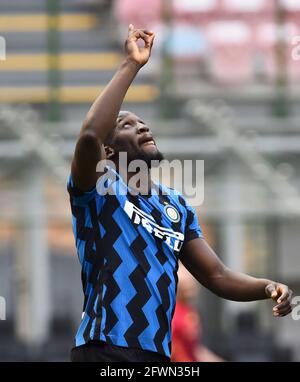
{"x":172,"y":213}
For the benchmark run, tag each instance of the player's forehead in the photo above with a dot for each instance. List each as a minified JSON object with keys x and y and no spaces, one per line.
{"x":124,"y":115}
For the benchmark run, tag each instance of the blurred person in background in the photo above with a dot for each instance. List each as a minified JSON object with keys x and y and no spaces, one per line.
{"x":129,"y":243}
{"x":186,"y":325}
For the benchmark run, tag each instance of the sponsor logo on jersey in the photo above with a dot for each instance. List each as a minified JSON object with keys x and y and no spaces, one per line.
{"x":173,"y":239}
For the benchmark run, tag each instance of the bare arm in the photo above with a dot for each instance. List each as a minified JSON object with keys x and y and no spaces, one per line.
{"x":208,"y":269}
{"x":102,"y":116}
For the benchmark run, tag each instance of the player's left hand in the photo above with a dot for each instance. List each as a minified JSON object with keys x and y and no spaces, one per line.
{"x":282,"y":295}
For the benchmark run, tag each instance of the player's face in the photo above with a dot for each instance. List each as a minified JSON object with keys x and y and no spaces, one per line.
{"x":133,"y":136}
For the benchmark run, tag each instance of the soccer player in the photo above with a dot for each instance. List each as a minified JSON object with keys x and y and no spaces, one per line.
{"x":129,"y":239}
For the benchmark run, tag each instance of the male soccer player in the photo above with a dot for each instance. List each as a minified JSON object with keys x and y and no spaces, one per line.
{"x":129,"y":242}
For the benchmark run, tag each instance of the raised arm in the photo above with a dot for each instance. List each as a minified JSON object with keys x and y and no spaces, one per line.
{"x":101,"y":118}
{"x":198,"y":257}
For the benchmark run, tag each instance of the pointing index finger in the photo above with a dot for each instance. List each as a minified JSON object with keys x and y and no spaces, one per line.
{"x":130,"y":29}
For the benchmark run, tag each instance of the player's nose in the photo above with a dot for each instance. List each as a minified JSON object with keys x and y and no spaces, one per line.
{"x":142,"y":129}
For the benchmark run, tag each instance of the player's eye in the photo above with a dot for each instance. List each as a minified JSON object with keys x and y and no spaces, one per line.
{"x":127,"y":125}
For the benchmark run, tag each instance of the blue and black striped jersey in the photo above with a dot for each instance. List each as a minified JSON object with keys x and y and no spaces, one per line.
{"x":128,"y":246}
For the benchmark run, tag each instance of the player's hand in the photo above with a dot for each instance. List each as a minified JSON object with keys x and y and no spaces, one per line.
{"x":136,"y":53}
{"x":282,"y":295}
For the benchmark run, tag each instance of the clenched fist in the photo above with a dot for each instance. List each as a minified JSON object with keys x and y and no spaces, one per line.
{"x":282,"y":295}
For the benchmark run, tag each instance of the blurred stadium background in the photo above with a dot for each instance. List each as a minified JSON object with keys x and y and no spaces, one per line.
{"x":221,"y":86}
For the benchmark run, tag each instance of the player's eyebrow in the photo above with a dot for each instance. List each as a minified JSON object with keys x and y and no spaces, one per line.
{"x":122,"y":120}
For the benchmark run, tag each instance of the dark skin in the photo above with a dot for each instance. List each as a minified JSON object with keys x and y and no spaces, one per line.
{"x":101,"y":118}
{"x":200,"y":259}
{"x":128,"y":132}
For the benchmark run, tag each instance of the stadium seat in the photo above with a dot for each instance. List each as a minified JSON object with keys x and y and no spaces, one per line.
{"x":147,"y":13}
{"x":248,"y":8}
{"x":195,"y":11}
{"x":232,"y":51}
{"x":266,"y":39}
{"x":292,"y":10}
{"x":186,"y":42}
{"x":291,"y":5}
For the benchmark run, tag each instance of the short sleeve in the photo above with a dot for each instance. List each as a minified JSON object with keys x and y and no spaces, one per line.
{"x":78,"y":196}
{"x":192,"y":227}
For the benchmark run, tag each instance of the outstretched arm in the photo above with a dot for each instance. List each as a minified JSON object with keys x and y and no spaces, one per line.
{"x":101,"y":118}
{"x":198,"y":257}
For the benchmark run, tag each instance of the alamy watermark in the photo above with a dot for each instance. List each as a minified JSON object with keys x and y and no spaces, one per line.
{"x":2,"y":308}
{"x":296,"y":308}
{"x":296,"y":49}
{"x":177,"y":177}
{"x":2,"y":49}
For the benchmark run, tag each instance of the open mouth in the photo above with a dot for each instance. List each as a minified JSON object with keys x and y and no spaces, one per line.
{"x":147,"y":141}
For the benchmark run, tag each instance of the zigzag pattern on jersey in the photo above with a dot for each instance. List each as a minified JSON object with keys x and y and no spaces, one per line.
{"x":176,"y":226}
{"x":95,"y":311}
{"x":137,"y":278}
{"x":162,"y":284}
{"x":190,"y":215}
{"x":128,"y":276}
{"x":160,"y":253}
{"x":112,"y":233}
{"x":161,"y":312}
{"x":134,"y":307}
{"x":92,"y":263}
{"x":86,"y":235}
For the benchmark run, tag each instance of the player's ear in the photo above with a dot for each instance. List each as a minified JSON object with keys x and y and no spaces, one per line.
{"x":109,"y":152}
